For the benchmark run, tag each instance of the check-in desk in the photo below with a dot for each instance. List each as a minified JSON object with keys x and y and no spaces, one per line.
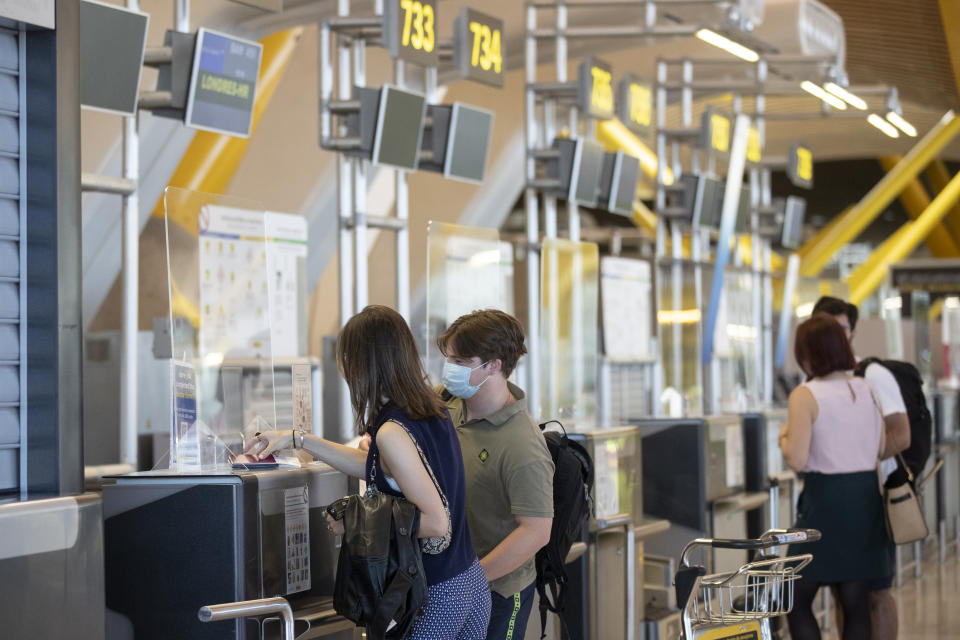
{"x":946,"y":415}
{"x":765,"y":470}
{"x":51,"y":568}
{"x":606,"y":598}
{"x":693,"y":476}
{"x":175,"y":543}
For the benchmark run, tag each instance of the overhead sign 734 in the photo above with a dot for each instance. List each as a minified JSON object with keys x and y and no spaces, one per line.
{"x":477,"y":47}
{"x":410,"y":30}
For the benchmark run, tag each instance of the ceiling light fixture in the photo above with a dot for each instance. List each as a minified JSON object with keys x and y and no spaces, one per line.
{"x":883,"y":125}
{"x":899,"y":122}
{"x":850,"y":98}
{"x":728,"y":45}
{"x":817,"y":91}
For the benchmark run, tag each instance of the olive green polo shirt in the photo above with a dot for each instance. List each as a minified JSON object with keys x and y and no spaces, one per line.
{"x":509,"y":473}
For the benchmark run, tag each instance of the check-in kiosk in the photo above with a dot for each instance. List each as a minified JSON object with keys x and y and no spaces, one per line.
{"x":175,"y":543}
{"x":947,"y":482}
{"x":765,"y":471}
{"x":609,"y":576}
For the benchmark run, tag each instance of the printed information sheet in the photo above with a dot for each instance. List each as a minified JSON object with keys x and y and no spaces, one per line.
{"x":296,"y":512}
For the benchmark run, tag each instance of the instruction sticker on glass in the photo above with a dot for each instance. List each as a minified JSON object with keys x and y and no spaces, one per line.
{"x":626,"y":295}
{"x":605,"y":488}
{"x":185,"y":449}
{"x":734,"y":441}
{"x":302,"y":398}
{"x":296,"y":516}
{"x":286,"y":236}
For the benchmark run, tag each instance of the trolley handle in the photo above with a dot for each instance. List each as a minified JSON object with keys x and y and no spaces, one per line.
{"x":772,"y":538}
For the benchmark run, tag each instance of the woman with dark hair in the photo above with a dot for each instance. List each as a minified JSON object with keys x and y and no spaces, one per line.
{"x":407,"y":423}
{"x":833,"y":437}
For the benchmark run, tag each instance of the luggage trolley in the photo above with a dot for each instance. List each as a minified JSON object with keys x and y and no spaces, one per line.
{"x":739,"y":605}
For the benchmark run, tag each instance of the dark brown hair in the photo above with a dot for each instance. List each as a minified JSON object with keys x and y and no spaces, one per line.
{"x":488,"y":334}
{"x":378,"y":358}
{"x":836,"y":307}
{"x":822,"y":346}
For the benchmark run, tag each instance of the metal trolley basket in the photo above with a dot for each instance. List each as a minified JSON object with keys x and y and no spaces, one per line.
{"x":740,"y":601}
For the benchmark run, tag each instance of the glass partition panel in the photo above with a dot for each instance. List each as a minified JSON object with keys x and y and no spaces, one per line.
{"x":464,"y":274}
{"x":222,"y":386}
{"x":569,"y":287}
{"x":679,"y":325}
{"x":736,"y":344}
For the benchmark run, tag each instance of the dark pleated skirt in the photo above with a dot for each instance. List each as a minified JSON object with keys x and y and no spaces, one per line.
{"x":848,"y":510}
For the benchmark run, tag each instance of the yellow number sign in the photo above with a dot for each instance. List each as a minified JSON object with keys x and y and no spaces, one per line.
{"x":601,"y":96}
{"x":486,"y":47}
{"x":418,"y":26}
{"x":719,"y":132}
{"x":640,"y":104}
{"x":753,"y":144}
{"x":804,"y":164}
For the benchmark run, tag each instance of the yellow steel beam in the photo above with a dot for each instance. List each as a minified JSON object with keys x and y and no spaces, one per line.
{"x":950,"y":18}
{"x":939,"y":176}
{"x":864,"y":212}
{"x":745,"y":247}
{"x":614,"y":135}
{"x":867,"y":277}
{"x":936,"y":310}
{"x":211,"y":160}
{"x":818,"y":237}
{"x":643,"y":217}
{"x":915,"y":200}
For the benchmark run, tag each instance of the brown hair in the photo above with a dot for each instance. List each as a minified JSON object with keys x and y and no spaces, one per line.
{"x":488,"y":334}
{"x":378,"y":358}
{"x":822,"y":346}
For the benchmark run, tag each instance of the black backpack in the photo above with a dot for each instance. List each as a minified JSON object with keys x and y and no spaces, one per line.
{"x":921,"y":422}
{"x":572,"y":506}
{"x":380,"y":577}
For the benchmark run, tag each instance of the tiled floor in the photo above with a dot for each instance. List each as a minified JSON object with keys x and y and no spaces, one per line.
{"x":929,"y":607}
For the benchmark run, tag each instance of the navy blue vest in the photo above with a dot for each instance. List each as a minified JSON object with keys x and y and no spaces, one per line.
{"x":438,"y":441}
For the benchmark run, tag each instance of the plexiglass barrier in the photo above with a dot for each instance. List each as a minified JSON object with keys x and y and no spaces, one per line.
{"x":679,"y":321}
{"x":736,"y":343}
{"x":464,"y":274}
{"x":569,"y":286}
{"x":222,"y":387}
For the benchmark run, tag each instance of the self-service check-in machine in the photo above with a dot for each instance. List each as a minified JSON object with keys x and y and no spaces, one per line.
{"x":176,"y":543}
{"x":946,"y":416}
{"x":607,"y":580}
{"x":766,"y":471}
{"x":693,"y":476}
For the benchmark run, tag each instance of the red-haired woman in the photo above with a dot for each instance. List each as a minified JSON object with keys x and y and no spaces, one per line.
{"x":833,"y":436}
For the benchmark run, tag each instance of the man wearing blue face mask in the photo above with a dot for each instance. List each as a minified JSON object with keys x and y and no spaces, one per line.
{"x":508,"y":467}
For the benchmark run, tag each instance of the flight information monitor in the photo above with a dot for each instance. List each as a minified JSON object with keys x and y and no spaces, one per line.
{"x":585,"y":178}
{"x":468,"y":143}
{"x":794,"y":211}
{"x":618,"y":183}
{"x":112,"y":41}
{"x":223,"y":83}
{"x":399,"y":128}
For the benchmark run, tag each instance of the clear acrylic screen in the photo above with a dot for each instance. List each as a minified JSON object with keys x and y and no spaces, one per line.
{"x":679,"y":322}
{"x":219,"y":281}
{"x":569,"y":287}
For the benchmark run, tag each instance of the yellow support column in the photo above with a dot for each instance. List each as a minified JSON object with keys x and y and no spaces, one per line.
{"x":915,"y":200}
{"x":864,"y":212}
{"x":868,"y":276}
{"x":615,"y":136}
{"x":939,"y":176}
{"x":211,"y":160}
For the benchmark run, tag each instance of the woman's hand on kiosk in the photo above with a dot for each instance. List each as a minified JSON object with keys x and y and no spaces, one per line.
{"x":268,"y":442}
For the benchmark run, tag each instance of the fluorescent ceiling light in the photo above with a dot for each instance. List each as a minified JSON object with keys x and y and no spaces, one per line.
{"x":852,"y":99}
{"x":728,"y":45}
{"x":817,"y":91}
{"x":883,"y":125}
{"x":902,"y":124}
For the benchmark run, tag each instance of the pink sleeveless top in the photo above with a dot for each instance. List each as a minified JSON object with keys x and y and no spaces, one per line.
{"x":847,"y":431}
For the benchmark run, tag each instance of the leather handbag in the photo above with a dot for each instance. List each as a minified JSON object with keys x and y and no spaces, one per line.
{"x":380,"y":581}
{"x":905,"y":521}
